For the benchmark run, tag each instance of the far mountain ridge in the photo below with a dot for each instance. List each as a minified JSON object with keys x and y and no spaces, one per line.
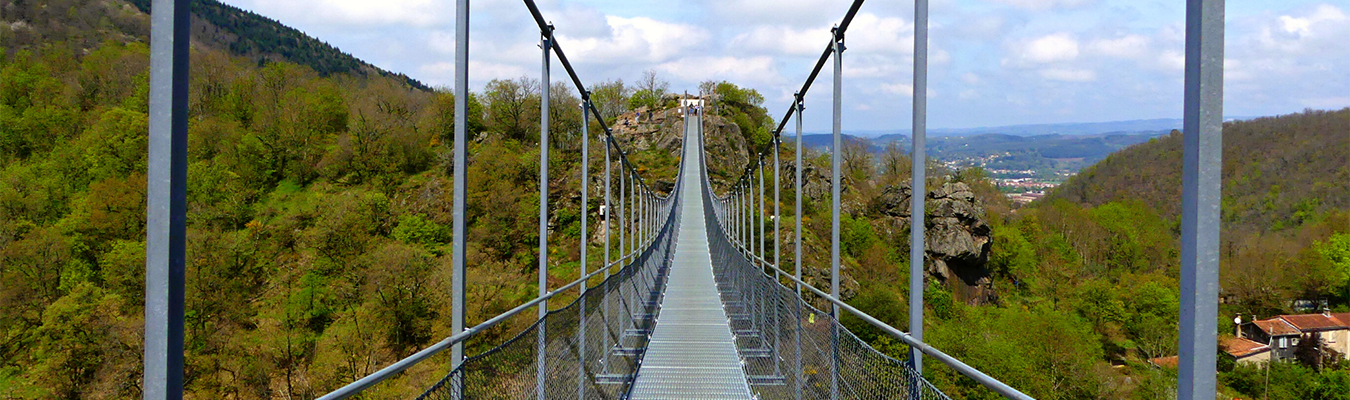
{"x":1067,"y":128}
{"x":1064,"y":128}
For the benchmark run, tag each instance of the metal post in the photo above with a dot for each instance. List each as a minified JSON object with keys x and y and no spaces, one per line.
{"x":919,"y":192}
{"x":747,"y":199}
{"x":797,"y":241}
{"x":458,"y":224}
{"x":1201,"y":180}
{"x":643,"y":213}
{"x":836,"y":184}
{"x":759,"y":241}
{"x":733,"y":215}
{"x":797,"y":181}
{"x":546,"y":44}
{"x":633,"y":217}
{"x":609,"y":226}
{"x":777,"y":141}
{"x":166,"y":218}
{"x":777,"y":212}
{"x":750,"y":215}
{"x":759,"y":215}
{"x":623,"y":208}
{"x":648,"y":217}
{"x":640,"y":217}
{"x":585,"y":239}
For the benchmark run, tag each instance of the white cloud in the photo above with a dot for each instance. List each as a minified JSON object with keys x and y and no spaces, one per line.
{"x":1069,"y":74}
{"x":1052,"y":48}
{"x":1009,"y":60}
{"x":796,"y":12}
{"x":1302,"y":26}
{"x":1323,"y":26}
{"x":1127,"y":47}
{"x":637,"y":39}
{"x":769,"y":39}
{"x":875,"y":34}
{"x":865,"y":65}
{"x":442,"y":73}
{"x":751,"y":71}
{"x":1045,"y":4}
{"x":898,"y":88}
{"x":421,"y":13}
{"x":1174,"y":60}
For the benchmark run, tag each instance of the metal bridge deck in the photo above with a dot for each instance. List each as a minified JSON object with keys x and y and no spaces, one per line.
{"x":692,"y":354}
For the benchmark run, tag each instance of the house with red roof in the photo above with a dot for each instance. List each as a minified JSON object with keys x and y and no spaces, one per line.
{"x":1282,"y":334}
{"x":1245,"y":351}
{"x":1280,"y":337}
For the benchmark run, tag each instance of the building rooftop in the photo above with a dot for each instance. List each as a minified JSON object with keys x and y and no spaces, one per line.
{"x":1314,"y":322}
{"x":1240,"y":347}
{"x":1343,"y":317}
{"x":1276,"y":327}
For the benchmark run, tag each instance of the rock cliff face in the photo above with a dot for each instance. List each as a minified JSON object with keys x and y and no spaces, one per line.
{"x":957,"y":237}
{"x":663,"y":131}
{"x":815,"y":181}
{"x":644,"y":130}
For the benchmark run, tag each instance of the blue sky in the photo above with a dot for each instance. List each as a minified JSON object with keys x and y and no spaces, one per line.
{"x":992,"y":62}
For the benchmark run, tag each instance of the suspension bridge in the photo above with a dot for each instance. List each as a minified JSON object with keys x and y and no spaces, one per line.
{"x":695,"y":303}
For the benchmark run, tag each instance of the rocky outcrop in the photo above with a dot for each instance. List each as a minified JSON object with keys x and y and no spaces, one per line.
{"x":663,"y":130}
{"x":644,"y":130}
{"x":957,"y":238}
{"x":815,"y":181}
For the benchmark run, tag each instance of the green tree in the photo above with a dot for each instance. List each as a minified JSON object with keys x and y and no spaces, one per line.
{"x":115,"y":145}
{"x":611,"y":98}
{"x":77,"y":338}
{"x":1336,"y":250}
{"x":511,"y":105}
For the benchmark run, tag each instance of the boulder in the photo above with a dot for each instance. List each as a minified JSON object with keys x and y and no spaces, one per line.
{"x":957,"y":238}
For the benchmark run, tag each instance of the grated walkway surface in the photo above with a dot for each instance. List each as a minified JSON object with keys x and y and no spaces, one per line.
{"x":692,"y":354}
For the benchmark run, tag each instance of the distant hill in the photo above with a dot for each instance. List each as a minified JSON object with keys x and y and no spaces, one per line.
{"x":82,"y":25}
{"x":251,"y":35}
{"x":823,"y":142}
{"x":1085,"y":128}
{"x":1071,"y":129}
{"x":1277,"y":171}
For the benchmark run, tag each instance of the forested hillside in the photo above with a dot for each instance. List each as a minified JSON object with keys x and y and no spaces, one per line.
{"x":81,"y":25}
{"x":318,"y":224}
{"x":1277,"y":171}
{"x":318,"y":230}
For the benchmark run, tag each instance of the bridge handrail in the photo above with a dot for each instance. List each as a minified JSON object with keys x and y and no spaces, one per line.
{"x":397,"y":367}
{"x":968,"y":371}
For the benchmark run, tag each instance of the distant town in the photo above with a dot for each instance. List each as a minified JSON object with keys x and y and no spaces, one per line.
{"x":1021,"y":185}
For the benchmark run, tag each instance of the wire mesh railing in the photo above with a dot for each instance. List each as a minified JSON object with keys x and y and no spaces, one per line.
{"x":593,"y":346}
{"x":790,"y":349}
